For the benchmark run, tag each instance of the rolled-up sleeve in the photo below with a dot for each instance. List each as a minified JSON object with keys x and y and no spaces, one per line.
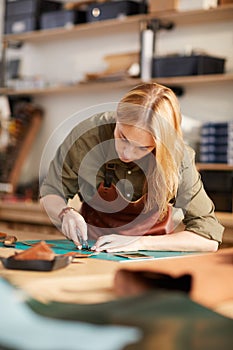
{"x":198,"y":208}
{"x":61,"y":178}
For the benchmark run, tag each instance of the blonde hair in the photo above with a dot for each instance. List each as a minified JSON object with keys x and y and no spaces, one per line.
{"x":156,"y":109}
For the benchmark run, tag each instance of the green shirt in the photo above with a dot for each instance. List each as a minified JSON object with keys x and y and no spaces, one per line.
{"x":79,"y":167}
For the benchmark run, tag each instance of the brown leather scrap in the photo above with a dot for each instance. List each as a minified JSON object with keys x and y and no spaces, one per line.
{"x":40,"y":251}
{"x":8,"y":240}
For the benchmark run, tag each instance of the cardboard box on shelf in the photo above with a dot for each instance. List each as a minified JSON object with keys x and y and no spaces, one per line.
{"x":224,"y":2}
{"x":117,"y":66}
{"x":158,"y":5}
{"x":186,"y":5}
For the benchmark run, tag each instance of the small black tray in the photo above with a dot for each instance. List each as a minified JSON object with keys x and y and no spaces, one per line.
{"x":37,"y":265}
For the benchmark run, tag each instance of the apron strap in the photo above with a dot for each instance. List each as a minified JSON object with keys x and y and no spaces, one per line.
{"x":109,"y":174}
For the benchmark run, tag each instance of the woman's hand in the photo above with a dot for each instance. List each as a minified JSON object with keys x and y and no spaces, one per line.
{"x":74,"y":227}
{"x":118,"y":243}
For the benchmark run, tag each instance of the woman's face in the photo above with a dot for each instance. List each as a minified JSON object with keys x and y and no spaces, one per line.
{"x":132,"y":143}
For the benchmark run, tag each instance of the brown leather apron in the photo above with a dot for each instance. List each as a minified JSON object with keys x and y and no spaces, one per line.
{"x":103,"y":216}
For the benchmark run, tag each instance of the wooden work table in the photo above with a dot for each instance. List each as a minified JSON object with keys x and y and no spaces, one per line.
{"x":92,"y":280}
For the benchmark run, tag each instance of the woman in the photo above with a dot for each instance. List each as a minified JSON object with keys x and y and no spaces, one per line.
{"x":132,"y":172}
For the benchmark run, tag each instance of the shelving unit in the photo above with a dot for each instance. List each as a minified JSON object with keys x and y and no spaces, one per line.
{"x":186,"y":18}
{"x":173,"y":81}
{"x":218,"y":14}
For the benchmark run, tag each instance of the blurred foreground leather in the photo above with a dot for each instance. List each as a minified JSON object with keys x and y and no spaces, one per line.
{"x":127,"y":282}
{"x":166,"y":319}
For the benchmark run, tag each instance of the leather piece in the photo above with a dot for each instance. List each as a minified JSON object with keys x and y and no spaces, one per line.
{"x":40,"y":251}
{"x":127,"y":283}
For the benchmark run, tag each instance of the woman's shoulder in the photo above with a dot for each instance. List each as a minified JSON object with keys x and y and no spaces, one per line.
{"x":93,"y":125}
{"x":103,"y":118}
{"x":99,"y":119}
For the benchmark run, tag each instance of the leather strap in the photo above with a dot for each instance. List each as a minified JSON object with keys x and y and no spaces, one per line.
{"x":109,"y":174}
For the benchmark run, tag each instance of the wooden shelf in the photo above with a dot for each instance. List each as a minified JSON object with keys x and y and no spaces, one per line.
{"x":195,"y":79}
{"x":169,"y":81}
{"x":23,"y":212}
{"x":60,"y":33}
{"x":221,"y":13}
{"x":70,"y":88}
{"x":214,"y":166}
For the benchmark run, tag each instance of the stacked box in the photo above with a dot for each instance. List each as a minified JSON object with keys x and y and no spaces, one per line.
{"x":172,"y":66}
{"x":114,"y":9}
{"x":24,"y":15}
{"x":158,"y":5}
{"x":216,"y":144}
{"x":62,"y":18}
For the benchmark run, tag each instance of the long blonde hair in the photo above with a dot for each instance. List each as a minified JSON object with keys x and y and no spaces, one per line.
{"x":156,"y":109}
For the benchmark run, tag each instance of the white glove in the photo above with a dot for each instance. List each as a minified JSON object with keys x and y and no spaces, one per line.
{"x":118,"y":243}
{"x":74,"y":227}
